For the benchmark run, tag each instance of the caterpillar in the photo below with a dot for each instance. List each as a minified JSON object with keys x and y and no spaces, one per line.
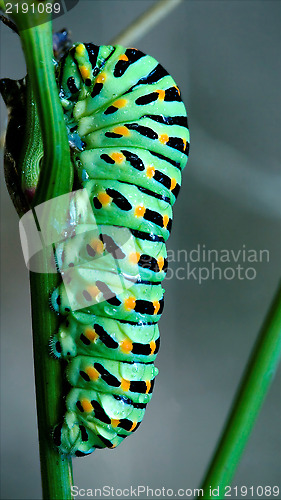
{"x":127,"y":128}
{"x":129,"y":139}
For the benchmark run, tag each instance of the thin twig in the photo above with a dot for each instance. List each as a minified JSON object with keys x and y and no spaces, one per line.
{"x":9,"y":23}
{"x":253,"y":389}
{"x":144,"y":23}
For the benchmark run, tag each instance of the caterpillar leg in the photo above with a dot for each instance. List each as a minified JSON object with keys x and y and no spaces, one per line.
{"x":98,"y":420}
{"x":72,"y":438}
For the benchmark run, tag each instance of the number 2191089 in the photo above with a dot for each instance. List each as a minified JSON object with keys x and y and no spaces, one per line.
{"x":253,"y":491}
{"x":33,"y":8}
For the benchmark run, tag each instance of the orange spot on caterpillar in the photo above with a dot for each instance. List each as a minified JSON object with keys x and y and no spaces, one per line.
{"x":184,"y":143}
{"x":134,"y":257}
{"x":117,"y":157}
{"x":123,"y":57}
{"x":160,"y":263}
{"x":121,"y":130}
{"x":80,"y":49}
{"x":85,"y":72}
{"x":173,"y":184}
{"x":86,"y":405}
{"x":133,"y":426}
{"x":93,"y":290}
{"x":125,"y":385}
{"x":152,"y":346}
{"x":164,"y":138}
{"x":92,"y":372}
{"x":126,"y":346}
{"x":150,"y":171}
{"x":104,"y":198}
{"x":120,"y":103}
{"x":165,"y":220}
{"x":130,"y":303}
{"x":177,"y":89}
{"x":97,"y":245}
{"x":91,"y":334}
{"x":140,"y":211}
{"x":148,"y":385}
{"x":101,"y":78}
{"x":115,"y":422}
{"x":161,"y":94}
{"x":156,"y":306}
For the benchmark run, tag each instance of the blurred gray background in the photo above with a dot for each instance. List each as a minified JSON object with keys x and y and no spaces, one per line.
{"x":225,"y":57}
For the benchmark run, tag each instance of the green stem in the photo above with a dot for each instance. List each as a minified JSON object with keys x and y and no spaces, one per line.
{"x":56,"y":171}
{"x":55,"y":179}
{"x":56,"y":469}
{"x":253,"y":388}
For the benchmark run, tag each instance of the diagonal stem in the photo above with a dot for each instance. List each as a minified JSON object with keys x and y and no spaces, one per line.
{"x":144,"y":23}
{"x":254,"y":386}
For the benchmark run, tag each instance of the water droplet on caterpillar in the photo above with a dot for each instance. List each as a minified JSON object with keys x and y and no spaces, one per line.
{"x":144,"y":398}
{"x":135,"y":368}
{"x":85,"y":175}
{"x":110,"y":310}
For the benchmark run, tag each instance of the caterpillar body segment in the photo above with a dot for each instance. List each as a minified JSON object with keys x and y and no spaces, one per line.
{"x":91,"y":335}
{"x":106,"y":246}
{"x":127,"y":128}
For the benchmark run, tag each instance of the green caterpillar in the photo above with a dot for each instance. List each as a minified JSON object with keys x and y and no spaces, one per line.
{"x":127,"y":129}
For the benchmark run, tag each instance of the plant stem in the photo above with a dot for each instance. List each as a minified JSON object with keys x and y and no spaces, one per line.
{"x":144,"y":23}
{"x":56,"y":171}
{"x":55,"y":179}
{"x":56,"y":469}
{"x":253,"y":388}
